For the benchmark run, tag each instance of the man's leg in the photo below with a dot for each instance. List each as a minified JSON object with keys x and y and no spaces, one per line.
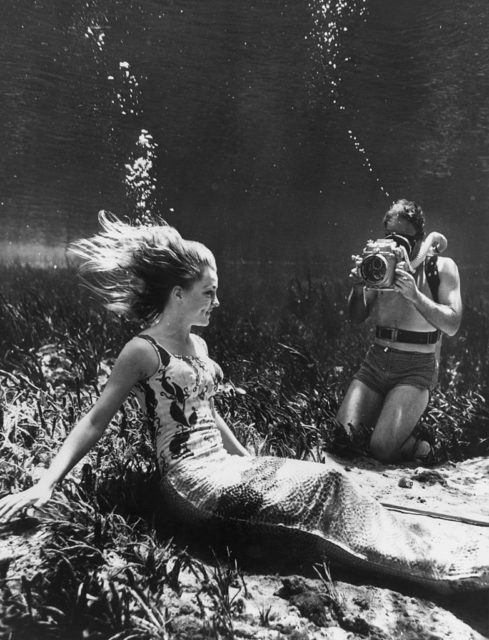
{"x":359,"y":409}
{"x":392,"y":440}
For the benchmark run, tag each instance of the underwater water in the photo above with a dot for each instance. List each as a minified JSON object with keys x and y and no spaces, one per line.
{"x":273,"y":131}
{"x":277,"y":132}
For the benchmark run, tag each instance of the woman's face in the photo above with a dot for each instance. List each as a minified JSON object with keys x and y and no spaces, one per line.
{"x":201,"y":298}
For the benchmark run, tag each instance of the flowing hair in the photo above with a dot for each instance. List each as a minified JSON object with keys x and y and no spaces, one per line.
{"x":133,"y":269}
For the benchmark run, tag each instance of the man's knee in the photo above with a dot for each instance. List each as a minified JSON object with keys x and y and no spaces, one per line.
{"x":345,"y":424}
{"x":383,"y":449}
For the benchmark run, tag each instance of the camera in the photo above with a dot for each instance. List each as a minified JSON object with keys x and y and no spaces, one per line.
{"x":377,"y":264}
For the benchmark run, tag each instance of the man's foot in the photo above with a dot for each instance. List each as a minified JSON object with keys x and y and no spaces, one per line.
{"x":424,"y":454}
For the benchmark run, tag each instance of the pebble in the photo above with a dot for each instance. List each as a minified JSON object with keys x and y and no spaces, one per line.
{"x":406,"y":483}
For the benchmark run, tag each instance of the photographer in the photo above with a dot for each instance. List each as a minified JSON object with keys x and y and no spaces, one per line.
{"x":391,"y":389}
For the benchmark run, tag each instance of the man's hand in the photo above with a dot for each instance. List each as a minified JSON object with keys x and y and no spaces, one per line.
{"x":405,"y":284}
{"x":35,"y":496}
{"x":355,"y":279}
{"x":360,"y":299}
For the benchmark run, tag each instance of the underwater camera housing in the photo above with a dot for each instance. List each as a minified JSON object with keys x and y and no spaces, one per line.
{"x":377,"y":264}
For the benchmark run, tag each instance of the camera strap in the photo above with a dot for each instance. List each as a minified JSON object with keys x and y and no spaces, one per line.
{"x":432,"y":276}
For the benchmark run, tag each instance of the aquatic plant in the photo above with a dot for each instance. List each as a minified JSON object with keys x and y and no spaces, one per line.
{"x":109,"y":567}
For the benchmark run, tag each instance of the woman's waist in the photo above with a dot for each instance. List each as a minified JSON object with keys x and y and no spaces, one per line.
{"x":181,"y":443}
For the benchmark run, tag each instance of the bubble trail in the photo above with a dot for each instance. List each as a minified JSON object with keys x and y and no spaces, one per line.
{"x":331,"y":18}
{"x":140,"y":178}
{"x":139,"y":181}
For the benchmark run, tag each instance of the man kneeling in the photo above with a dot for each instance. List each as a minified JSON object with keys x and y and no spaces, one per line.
{"x":390,"y":391}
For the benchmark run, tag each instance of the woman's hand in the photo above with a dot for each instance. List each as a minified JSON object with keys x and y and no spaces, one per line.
{"x":36,"y":496}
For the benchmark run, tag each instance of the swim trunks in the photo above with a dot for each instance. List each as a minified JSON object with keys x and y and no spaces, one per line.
{"x":385,"y":367}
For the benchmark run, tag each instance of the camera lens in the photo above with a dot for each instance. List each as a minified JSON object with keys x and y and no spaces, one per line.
{"x":373,"y":269}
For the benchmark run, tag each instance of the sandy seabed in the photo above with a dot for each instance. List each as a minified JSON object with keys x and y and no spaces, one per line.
{"x":300,"y":605}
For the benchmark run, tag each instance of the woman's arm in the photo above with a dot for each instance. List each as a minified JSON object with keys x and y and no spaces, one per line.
{"x":136,"y":361}
{"x":229,"y":440}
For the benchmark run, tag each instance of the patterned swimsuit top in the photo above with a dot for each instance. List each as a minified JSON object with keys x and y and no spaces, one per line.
{"x":178,"y":403}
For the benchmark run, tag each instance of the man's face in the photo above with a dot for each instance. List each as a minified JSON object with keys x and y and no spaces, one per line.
{"x":404,"y":228}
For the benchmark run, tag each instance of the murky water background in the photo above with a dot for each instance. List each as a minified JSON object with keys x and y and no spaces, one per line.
{"x":277,"y":130}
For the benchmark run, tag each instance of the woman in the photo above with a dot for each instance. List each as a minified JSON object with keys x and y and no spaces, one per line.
{"x":151,"y":273}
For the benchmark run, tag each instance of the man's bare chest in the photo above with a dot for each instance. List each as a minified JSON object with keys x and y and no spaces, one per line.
{"x":393,"y":310}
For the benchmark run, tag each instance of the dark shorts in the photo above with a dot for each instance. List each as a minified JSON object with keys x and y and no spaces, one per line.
{"x":384,"y":368}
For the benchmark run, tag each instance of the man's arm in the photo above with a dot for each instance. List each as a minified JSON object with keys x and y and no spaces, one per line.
{"x":445,"y":315}
{"x":360,"y":301}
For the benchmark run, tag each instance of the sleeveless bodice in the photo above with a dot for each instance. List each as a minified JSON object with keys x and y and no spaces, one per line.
{"x":178,"y":402}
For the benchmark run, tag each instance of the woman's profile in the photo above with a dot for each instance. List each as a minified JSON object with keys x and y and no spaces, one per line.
{"x":150,"y":273}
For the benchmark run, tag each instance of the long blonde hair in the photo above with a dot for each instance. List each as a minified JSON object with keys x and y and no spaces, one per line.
{"x":133,"y":268}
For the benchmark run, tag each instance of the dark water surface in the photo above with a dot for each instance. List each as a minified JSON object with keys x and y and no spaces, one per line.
{"x":283,"y":129}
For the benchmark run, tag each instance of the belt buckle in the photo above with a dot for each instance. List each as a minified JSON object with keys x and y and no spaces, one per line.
{"x":393,"y":334}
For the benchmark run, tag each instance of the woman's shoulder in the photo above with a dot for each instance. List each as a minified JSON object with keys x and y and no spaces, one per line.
{"x":140,"y":354}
